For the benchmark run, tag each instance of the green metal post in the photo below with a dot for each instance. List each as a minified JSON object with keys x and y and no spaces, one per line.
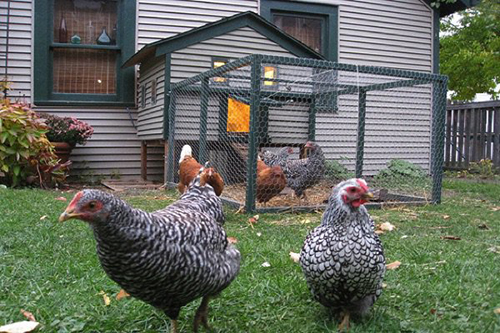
{"x":360,"y":147}
{"x":439,"y":89}
{"x":171,"y":137}
{"x":311,"y":133}
{"x":202,"y":153}
{"x":253,"y":135}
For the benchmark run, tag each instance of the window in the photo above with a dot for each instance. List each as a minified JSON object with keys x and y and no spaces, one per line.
{"x":216,"y":63}
{"x":79,"y":48}
{"x":153,"y":91}
{"x":316,"y":25}
{"x":270,"y":73}
{"x":143,"y":96}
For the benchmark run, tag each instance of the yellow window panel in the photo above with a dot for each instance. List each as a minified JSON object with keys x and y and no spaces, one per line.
{"x":270,"y":73}
{"x":238,"y":116}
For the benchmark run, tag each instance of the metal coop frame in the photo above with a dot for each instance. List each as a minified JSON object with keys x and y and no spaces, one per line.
{"x":319,"y":93}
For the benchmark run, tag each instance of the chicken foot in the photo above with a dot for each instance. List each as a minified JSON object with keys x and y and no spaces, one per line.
{"x":202,"y":315}
{"x":174,"y":326}
{"x":344,"y":325}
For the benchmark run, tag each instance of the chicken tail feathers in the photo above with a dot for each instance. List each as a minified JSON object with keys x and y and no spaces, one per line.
{"x":186,"y":151}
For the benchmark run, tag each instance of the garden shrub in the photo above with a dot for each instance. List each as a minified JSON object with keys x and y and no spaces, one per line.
{"x":334,"y":170}
{"x":26,"y":155}
{"x":402,"y":174}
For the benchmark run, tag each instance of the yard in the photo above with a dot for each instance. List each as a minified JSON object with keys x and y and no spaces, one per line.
{"x":443,"y":285}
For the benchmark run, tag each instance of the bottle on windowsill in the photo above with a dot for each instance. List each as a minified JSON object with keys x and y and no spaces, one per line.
{"x":63,"y":31}
{"x":104,"y":38}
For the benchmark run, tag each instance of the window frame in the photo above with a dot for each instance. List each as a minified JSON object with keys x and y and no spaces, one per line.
{"x":43,"y":59}
{"x":226,"y":61}
{"x":328,"y":13}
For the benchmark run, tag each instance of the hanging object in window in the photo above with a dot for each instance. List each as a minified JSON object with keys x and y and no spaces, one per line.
{"x":104,"y":38}
{"x":90,"y":34}
{"x":270,"y":72}
{"x":63,"y":31}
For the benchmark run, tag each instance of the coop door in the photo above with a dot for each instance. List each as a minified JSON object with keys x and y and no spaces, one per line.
{"x":238,"y":116}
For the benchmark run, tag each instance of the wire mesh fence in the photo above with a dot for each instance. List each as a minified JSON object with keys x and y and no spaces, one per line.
{"x":282,"y":131}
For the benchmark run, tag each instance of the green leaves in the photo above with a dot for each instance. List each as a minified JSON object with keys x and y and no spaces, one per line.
{"x":470,"y":51}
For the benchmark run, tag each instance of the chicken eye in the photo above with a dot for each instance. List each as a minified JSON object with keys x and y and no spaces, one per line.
{"x":352,"y":190}
{"x":92,"y":205}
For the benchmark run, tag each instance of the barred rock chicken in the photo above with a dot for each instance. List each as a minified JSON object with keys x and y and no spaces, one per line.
{"x":188,"y":169}
{"x":342,"y":259}
{"x":270,"y":181}
{"x":166,"y":258}
{"x":304,"y":173}
{"x":279,"y":158}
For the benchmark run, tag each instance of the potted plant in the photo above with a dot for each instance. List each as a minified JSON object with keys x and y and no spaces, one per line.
{"x":65,"y":133}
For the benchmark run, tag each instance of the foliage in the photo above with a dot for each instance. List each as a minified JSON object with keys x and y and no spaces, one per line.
{"x":401,"y":169}
{"x":437,"y":3}
{"x":336,"y":171}
{"x":26,"y":156}
{"x":67,"y":129}
{"x":470,"y":51}
{"x":484,"y":168}
{"x":51,"y":269}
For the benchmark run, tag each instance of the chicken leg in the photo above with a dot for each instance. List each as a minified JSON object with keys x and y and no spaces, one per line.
{"x":202,"y":315}
{"x":174,"y":326}
{"x":344,"y":325}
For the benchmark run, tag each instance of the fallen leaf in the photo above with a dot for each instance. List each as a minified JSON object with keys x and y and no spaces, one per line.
{"x":497,"y":311}
{"x":393,"y":265}
{"x":446,"y":217}
{"x":386,"y":226}
{"x":43,"y":217}
{"x":483,"y":226}
{"x":384,"y":285}
{"x":404,"y":236}
{"x":61,"y":199}
{"x":259,"y":234}
{"x":305,"y":221}
{"x":122,"y":294}
{"x":295,"y":256}
{"x":494,"y":249}
{"x":107,"y":300}
{"x":232,"y":240}
{"x":266,"y":264}
{"x":28,"y":315}
{"x":253,"y":220}
{"x":433,"y":311}
{"x":20,"y":327}
{"x":451,"y":237}
{"x":494,"y":209}
{"x":379,"y":232}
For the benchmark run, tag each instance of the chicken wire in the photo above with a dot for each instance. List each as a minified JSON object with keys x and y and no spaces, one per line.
{"x":381,"y":124}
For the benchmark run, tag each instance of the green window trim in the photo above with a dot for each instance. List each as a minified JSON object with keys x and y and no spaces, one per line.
{"x":43,"y":59}
{"x":328,"y":13}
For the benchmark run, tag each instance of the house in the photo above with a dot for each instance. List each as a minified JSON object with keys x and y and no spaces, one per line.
{"x":65,"y":56}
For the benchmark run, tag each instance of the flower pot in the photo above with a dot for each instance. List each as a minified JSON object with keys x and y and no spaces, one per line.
{"x":62,"y":150}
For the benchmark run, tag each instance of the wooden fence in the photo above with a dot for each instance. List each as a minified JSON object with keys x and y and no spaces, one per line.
{"x":472,"y":134}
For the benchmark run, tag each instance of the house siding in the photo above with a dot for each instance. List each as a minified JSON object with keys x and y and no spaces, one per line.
{"x":389,"y":33}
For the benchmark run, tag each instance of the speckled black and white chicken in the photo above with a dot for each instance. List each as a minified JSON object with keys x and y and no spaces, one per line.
{"x":343,"y":259}
{"x":304,"y":173}
{"x":280,"y":157}
{"x":166,"y":258}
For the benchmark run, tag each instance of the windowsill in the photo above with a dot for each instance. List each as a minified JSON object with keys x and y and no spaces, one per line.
{"x":82,"y":103}
{"x":85,"y":46}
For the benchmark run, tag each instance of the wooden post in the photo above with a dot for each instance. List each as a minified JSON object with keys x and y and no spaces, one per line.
{"x":165,"y":161}
{"x":144,"y":160}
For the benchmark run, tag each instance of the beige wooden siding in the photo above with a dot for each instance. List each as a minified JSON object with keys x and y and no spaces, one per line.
{"x":150,"y":118}
{"x":114,"y":149}
{"x":165,"y":18}
{"x":19,"y":58}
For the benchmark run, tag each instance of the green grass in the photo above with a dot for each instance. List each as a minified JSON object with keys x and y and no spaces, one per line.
{"x":51,"y":270}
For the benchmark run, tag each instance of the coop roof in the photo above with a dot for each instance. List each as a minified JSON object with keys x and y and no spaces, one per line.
{"x":214,"y":29}
{"x":450,"y":8}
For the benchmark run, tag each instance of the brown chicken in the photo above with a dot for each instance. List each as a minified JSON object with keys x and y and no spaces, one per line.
{"x":270,"y":181}
{"x":189,"y":169}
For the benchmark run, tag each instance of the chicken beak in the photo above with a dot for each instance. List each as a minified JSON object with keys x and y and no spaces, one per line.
{"x":367,"y":196}
{"x":67,"y":215}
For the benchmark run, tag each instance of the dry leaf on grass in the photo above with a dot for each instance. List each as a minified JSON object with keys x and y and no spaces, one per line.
{"x":497,"y":311}
{"x":483,"y":226}
{"x":232,"y":240}
{"x":295,"y":256}
{"x":28,"y":315}
{"x":379,"y":232}
{"x":122,"y":294}
{"x":253,"y":220}
{"x":43,"y":217}
{"x":451,"y":237}
{"x":446,"y":217}
{"x":20,"y":327}
{"x":61,"y":199}
{"x":259,"y":234}
{"x":494,"y":209}
{"x":494,"y":249}
{"x":384,"y":285}
{"x":107,"y":300}
{"x":266,"y":264}
{"x":393,"y":265}
{"x":386,"y":226}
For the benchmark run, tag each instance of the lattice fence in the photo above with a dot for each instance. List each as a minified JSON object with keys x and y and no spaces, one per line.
{"x":283,"y":131}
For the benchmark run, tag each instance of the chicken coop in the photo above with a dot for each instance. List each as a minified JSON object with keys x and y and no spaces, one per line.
{"x":310,"y":123}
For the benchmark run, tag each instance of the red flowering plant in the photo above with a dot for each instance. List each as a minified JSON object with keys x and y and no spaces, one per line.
{"x":66,"y":129}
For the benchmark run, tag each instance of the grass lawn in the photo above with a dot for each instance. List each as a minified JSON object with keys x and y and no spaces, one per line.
{"x":51,"y":269}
